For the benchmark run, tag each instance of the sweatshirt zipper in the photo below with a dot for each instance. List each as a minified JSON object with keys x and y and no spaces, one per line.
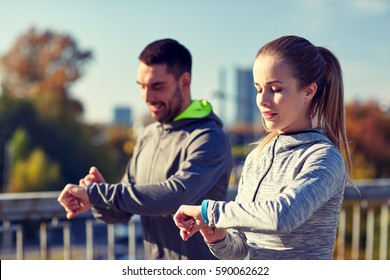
{"x":269,"y":168}
{"x":154,"y":160}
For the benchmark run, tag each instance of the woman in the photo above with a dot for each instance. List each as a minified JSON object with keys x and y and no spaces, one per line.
{"x":292,"y":185}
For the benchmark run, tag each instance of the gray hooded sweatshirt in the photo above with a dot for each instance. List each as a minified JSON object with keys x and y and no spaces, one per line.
{"x":174,"y":163}
{"x":288,"y":201}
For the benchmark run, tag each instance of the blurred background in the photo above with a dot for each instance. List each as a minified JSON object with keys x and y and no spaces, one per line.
{"x":69,"y":100}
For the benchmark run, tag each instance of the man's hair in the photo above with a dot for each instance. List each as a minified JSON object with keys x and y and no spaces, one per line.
{"x":169,"y":52}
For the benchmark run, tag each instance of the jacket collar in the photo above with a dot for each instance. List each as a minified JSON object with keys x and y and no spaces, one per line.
{"x":196,"y":111}
{"x":291,"y":140}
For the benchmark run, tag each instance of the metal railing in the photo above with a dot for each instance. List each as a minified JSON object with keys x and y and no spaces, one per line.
{"x":363,"y":231}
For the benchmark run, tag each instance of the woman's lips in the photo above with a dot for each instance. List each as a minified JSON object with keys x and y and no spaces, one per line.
{"x":268,"y":115}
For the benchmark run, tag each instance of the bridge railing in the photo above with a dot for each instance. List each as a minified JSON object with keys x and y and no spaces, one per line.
{"x":34,"y":226}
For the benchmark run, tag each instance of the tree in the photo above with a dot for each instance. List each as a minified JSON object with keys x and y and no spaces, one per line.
{"x":41,"y":66}
{"x":14,"y":114}
{"x":36,"y":173}
{"x":18,"y":146}
{"x":368,"y":130}
{"x":29,"y":169}
{"x":37,"y":74}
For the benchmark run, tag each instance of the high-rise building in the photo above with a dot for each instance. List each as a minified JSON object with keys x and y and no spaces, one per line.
{"x":235,"y":100}
{"x":246,"y":108}
{"x":123,"y":116}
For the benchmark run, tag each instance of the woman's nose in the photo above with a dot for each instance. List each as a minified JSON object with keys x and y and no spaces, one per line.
{"x":263,"y":99}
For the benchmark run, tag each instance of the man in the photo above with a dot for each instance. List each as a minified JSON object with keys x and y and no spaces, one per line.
{"x":182,"y":158}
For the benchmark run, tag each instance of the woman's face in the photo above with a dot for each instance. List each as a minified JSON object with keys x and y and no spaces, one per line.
{"x":283,"y":105}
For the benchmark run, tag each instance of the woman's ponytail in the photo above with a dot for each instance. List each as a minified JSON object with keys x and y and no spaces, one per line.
{"x":330,"y":110}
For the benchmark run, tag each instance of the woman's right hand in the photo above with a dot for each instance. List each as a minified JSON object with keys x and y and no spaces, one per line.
{"x":213,"y":235}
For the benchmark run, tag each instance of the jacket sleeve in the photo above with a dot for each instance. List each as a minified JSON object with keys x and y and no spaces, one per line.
{"x":204,"y":165}
{"x":321,"y":178}
{"x":105,"y":213}
{"x":233,"y":247}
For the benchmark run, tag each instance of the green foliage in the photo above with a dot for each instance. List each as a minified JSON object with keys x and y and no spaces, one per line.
{"x":58,"y":150}
{"x":36,"y":173}
{"x":368,"y":130}
{"x":43,"y":144}
{"x":19,"y":146}
{"x":42,"y":65}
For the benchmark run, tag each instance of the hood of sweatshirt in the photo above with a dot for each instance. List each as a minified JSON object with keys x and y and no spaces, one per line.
{"x":197,"y":110}
{"x":289,"y":141}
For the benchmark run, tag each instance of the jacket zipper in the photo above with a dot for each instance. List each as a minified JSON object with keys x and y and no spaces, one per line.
{"x":269,"y":168}
{"x":154,"y":160}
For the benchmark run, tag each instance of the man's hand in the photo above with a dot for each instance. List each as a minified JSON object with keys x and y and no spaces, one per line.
{"x":75,"y":200}
{"x":94,"y":176}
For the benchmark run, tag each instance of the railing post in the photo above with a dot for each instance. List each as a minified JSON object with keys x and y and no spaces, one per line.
{"x":7,"y":236}
{"x":341,"y":236}
{"x":355,"y":231}
{"x":19,"y":243}
{"x":370,"y":233}
{"x":43,"y":241}
{"x":89,"y":239}
{"x":111,"y":241}
{"x":67,"y":246}
{"x":131,"y":240}
{"x":384,"y":231}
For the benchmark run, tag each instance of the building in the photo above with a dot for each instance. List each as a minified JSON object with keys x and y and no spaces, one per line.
{"x":235,"y":100}
{"x":246,"y":108}
{"x":123,"y":116}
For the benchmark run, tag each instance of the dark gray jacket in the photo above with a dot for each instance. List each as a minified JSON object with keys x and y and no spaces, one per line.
{"x":288,"y":201}
{"x":175,"y":163}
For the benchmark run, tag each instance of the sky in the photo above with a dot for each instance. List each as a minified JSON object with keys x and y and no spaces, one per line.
{"x":221,"y":35}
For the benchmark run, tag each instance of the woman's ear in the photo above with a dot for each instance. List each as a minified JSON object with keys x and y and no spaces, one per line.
{"x":310,"y":91}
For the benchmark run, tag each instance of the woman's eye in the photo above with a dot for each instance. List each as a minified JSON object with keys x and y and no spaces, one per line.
{"x":276,"y":89}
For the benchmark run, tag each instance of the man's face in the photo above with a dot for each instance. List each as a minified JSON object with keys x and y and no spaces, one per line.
{"x":160,"y":91}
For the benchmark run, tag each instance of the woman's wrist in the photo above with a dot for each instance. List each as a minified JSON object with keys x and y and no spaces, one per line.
{"x":203,"y":212}
{"x":213,"y":235}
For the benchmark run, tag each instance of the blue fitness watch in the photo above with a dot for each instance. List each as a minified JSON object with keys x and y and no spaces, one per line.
{"x":205,"y":204}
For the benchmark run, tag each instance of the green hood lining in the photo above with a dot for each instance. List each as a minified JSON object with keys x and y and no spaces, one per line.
{"x":196,"y":110}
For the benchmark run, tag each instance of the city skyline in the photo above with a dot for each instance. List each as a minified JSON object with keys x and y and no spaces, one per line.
{"x":222,"y":35}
